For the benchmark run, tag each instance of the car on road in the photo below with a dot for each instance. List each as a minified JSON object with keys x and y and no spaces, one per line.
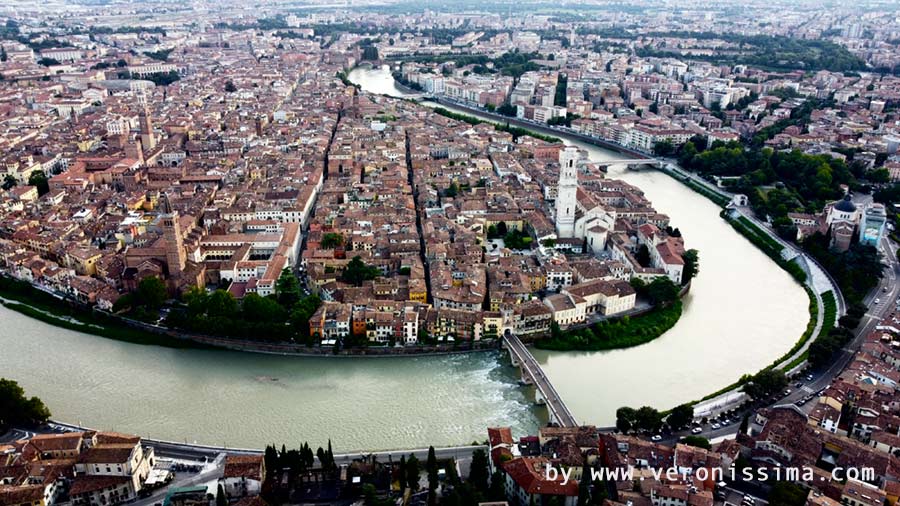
{"x":809,"y":377}
{"x":696,"y":430}
{"x":656,"y":438}
{"x":878,"y":301}
{"x":787,"y":391}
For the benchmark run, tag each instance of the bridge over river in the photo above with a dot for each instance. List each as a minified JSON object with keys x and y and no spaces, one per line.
{"x":532,"y":374}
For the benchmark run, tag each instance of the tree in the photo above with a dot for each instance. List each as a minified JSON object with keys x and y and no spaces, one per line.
{"x":452,"y":191}
{"x":625,"y":419}
{"x":497,"y":492}
{"x":661,"y":291}
{"x":698,"y":441}
{"x":765,"y":383}
{"x":412,"y":473}
{"x":230,"y":87}
{"x":785,"y":228}
{"x":271,"y":460}
{"x":357,"y":271}
{"x":221,"y":304}
{"x":151,"y":292}
{"x":302,"y":312}
{"x":664,"y":148}
{"x":680,"y":416}
{"x":16,"y":409}
{"x":287,"y":289}
{"x":787,"y":494}
{"x":691,"y":259}
{"x":478,"y":471}
{"x":584,"y":485}
{"x":9,"y":181}
{"x":39,"y":178}
{"x":331,"y":240}
{"x":431,"y":466}
{"x":221,"y":498}
{"x":256,"y":308}
{"x":401,"y":475}
{"x":643,"y":255}
{"x":329,"y":454}
{"x":648,"y":419}
{"x":48,"y":62}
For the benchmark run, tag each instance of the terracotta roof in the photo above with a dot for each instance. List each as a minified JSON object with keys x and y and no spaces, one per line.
{"x":87,"y":484}
{"x":57,"y":442}
{"x":20,"y":495}
{"x":107,"y":454}
{"x":528,"y":473}
{"x":244,"y":466}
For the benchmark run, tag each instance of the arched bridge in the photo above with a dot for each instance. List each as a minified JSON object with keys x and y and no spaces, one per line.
{"x":532,"y":374}
{"x":631,"y":163}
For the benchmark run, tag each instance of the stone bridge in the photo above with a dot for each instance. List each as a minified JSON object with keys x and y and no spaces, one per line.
{"x":532,"y":374}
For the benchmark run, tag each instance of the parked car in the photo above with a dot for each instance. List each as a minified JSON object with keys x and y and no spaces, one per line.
{"x":696,"y":430}
{"x":716,"y":426}
{"x":656,"y":438}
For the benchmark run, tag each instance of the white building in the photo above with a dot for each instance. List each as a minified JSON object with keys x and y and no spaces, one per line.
{"x":566,"y":194}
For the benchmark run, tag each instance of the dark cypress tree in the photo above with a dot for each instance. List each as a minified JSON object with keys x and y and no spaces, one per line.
{"x":432,"y":467}
{"x":479,"y":472}
{"x":412,"y":473}
{"x":402,"y":473}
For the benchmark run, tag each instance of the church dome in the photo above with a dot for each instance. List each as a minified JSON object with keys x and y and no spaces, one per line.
{"x":845,"y":205}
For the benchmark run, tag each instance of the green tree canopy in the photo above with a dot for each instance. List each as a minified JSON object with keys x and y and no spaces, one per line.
{"x":357,"y":271}
{"x":680,"y":416}
{"x":691,"y":259}
{"x":39,"y":179}
{"x":257,"y":308}
{"x":766,"y":383}
{"x":698,"y":441}
{"x":287,"y":289}
{"x":16,"y":409}
{"x":151,"y":292}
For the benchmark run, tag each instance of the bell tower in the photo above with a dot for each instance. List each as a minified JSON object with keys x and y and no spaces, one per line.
{"x":566,"y":192}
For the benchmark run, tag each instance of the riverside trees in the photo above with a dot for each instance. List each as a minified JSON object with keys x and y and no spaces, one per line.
{"x":282,"y":316}
{"x":17,"y":409}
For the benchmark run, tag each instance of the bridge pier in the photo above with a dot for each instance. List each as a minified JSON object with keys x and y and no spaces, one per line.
{"x":513,"y":359}
{"x":526,"y":378}
{"x":539,"y":397}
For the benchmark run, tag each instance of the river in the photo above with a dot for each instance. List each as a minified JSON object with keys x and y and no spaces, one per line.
{"x":742,"y":313}
{"x":249,"y":400}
